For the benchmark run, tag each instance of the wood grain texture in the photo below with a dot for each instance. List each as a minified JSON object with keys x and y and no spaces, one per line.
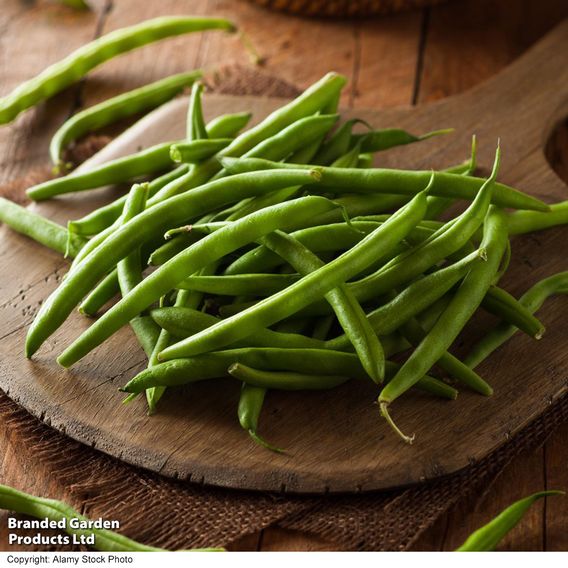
{"x":386,"y":67}
{"x":213,"y":449}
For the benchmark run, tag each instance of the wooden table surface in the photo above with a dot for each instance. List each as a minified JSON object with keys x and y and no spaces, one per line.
{"x":405,"y":59}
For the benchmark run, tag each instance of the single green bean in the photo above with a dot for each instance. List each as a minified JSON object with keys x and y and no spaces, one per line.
{"x":129,"y":272}
{"x":23,"y":503}
{"x":102,"y":218}
{"x":197,"y":150}
{"x":102,"y":293}
{"x":508,"y":308}
{"x":403,"y":182}
{"x":532,"y":299}
{"x":143,"y":163}
{"x":380,"y":140}
{"x":250,"y":406}
{"x":284,"y":380}
{"x":488,"y":536}
{"x":311,"y":287}
{"x":38,"y":228}
{"x":77,"y":64}
{"x":240,"y":284}
{"x":521,"y":222}
{"x":195,"y":127}
{"x":115,"y":109}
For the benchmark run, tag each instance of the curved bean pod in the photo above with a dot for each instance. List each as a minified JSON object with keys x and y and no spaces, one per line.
{"x":76,"y":65}
{"x":148,"y":161}
{"x":532,"y":299}
{"x":38,"y":228}
{"x":250,"y":406}
{"x":197,"y":150}
{"x":488,"y":537}
{"x":115,"y":109}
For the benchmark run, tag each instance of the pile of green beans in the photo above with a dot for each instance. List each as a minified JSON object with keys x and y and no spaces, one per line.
{"x":282,"y":259}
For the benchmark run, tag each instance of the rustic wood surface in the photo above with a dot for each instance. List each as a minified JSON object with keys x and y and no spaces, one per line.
{"x":438,"y":52}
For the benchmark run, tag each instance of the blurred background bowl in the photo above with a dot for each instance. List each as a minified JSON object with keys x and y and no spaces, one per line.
{"x":344,"y":8}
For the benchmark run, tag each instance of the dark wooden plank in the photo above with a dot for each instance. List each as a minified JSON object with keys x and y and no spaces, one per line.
{"x":22,"y":58}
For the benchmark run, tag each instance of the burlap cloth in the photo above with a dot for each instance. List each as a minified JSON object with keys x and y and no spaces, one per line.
{"x":171,"y":514}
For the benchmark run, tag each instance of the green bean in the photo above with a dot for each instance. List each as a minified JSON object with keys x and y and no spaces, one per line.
{"x":195,"y":127}
{"x":142,"y":228}
{"x":380,"y":140}
{"x":23,"y":503}
{"x":532,"y":299}
{"x":116,"y":108}
{"x":438,"y":205}
{"x":76,"y":65}
{"x":464,"y":303}
{"x":197,"y":150}
{"x":505,"y":306}
{"x":228,"y":125}
{"x":224,"y":126}
{"x":310,"y":101}
{"x":161,"y":281}
{"x":403,"y":182}
{"x":306,"y":154}
{"x":38,"y":228}
{"x":240,"y":284}
{"x":103,"y":217}
{"x":182,"y":322}
{"x":414,"y":333}
{"x":172,"y":247}
{"x":129,"y":273}
{"x":311,"y":287}
{"x":348,"y":311}
{"x":102,"y":293}
{"x":284,"y":380}
{"x":521,"y":222}
{"x":255,"y":203}
{"x":488,"y":536}
{"x":148,"y":161}
{"x":250,"y":406}
{"x":415,"y":298}
{"x":316,"y":362}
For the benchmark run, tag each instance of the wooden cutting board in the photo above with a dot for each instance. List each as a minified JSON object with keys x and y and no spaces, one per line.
{"x":336,"y":440}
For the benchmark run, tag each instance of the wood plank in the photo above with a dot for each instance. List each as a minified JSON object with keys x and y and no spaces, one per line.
{"x":277,"y":539}
{"x":388,"y":55}
{"x":46,"y":23}
{"x":556,"y":510}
